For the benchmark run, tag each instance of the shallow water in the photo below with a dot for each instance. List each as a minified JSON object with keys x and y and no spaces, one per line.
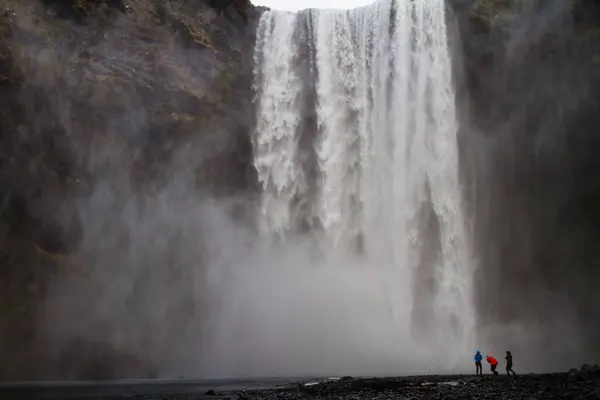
{"x":124,"y":388}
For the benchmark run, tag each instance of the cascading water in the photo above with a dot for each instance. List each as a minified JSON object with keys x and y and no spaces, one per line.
{"x":355,"y":147}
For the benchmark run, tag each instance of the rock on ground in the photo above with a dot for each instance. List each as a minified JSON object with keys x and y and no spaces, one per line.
{"x":583,"y":384}
{"x":575,"y":384}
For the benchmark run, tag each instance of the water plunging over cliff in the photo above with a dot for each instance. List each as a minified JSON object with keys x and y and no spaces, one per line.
{"x":355,"y":146}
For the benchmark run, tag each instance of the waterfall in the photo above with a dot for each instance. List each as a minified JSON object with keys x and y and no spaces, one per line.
{"x":356,"y":146}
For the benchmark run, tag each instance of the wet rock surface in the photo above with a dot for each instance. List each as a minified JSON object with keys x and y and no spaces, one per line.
{"x":583,"y":383}
{"x":580,"y":385}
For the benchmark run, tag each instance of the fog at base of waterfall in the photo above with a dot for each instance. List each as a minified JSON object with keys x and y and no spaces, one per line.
{"x":367,"y":267}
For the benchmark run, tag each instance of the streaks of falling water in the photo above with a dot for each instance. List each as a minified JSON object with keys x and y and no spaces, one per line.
{"x":276,"y":147}
{"x":337,"y":144}
{"x":385,"y":143}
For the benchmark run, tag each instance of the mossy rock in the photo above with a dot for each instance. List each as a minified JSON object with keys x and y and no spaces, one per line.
{"x":200,"y":37}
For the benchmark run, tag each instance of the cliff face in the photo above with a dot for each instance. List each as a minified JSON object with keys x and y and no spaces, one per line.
{"x":108,"y":92}
{"x":529,"y":79}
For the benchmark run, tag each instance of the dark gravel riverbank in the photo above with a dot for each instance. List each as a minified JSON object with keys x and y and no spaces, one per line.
{"x":575,"y":384}
{"x":550,"y":386}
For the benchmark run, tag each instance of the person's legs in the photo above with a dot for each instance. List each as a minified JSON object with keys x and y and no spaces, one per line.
{"x":494,"y":369}
{"x":478,"y":369}
{"x":509,"y":370}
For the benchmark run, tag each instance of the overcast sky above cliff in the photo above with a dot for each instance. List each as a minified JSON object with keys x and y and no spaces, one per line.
{"x":295,"y":5}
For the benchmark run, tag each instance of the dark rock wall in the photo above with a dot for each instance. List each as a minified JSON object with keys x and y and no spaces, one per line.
{"x":529,"y":143}
{"x":107,"y":92}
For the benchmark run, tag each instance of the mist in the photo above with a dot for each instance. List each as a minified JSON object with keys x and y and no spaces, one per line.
{"x":175,"y":270}
{"x":175,"y":278}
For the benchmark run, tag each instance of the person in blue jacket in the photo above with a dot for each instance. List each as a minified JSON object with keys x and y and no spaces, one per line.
{"x":478,"y":368}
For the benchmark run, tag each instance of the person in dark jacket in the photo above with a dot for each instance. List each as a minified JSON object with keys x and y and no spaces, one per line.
{"x":478,"y":368}
{"x":509,"y":363}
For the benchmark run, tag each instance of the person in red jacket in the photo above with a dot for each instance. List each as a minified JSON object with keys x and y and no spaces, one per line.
{"x":493,"y":364}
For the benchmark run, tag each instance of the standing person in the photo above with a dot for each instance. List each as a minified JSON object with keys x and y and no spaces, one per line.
{"x":493,"y":364}
{"x":509,"y":363}
{"x":478,"y":368}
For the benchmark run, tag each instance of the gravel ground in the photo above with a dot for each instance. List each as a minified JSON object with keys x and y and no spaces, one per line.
{"x":575,"y":384}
